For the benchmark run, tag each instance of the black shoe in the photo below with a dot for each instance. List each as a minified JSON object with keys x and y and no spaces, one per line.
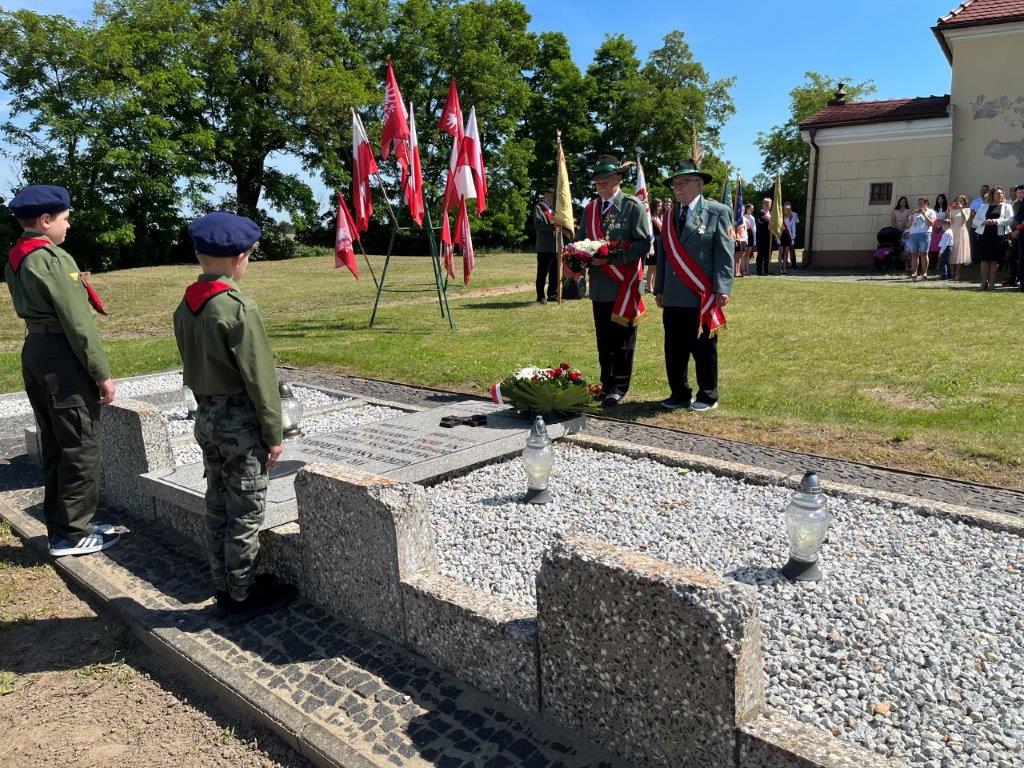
{"x":611,"y":401}
{"x":263,"y":598}
{"x":674,"y":403}
{"x":542,"y":300}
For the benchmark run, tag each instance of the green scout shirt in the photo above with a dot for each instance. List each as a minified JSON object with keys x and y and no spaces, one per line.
{"x":48,"y":288}
{"x":225,"y":351}
{"x":625,"y":220}
{"x":707,"y":239}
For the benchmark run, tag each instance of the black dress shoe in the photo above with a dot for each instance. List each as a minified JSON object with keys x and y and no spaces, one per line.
{"x":611,"y":401}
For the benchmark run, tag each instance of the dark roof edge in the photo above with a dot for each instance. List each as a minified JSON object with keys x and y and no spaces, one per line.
{"x":940,"y":26}
{"x":871,"y":121}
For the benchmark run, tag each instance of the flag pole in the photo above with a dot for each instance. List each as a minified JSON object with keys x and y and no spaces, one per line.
{"x":558,"y":228}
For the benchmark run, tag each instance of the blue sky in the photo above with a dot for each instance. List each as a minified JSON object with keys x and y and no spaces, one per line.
{"x":767,"y":47}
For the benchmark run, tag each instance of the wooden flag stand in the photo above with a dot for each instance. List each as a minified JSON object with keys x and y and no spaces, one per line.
{"x":440,"y":284}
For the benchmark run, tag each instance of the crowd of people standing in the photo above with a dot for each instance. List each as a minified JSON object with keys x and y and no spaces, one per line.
{"x":986,"y":231}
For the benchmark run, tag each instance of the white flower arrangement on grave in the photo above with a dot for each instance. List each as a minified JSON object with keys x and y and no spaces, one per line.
{"x":550,"y":392}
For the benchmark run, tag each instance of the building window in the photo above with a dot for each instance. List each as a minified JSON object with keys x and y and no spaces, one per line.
{"x":881,"y":194}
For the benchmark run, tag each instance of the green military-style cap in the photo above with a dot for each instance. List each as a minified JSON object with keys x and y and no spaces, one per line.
{"x":609,"y":165}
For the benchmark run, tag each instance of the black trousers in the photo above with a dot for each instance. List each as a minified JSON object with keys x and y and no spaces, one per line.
{"x":547,"y":268}
{"x":1020,"y":261}
{"x":764,"y":255}
{"x":683,"y":340}
{"x":66,"y":403}
{"x":615,"y":345}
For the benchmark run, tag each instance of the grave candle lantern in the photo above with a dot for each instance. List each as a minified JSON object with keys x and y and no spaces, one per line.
{"x":189,"y":399}
{"x":291,"y":411}
{"x":538,"y":457}
{"x":807,"y":522}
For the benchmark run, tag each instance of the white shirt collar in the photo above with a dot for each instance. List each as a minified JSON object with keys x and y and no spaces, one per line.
{"x":693,"y":203}
{"x":613,"y":199}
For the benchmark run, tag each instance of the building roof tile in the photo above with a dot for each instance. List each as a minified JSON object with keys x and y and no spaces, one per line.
{"x":886,"y":111}
{"x":978,"y":12}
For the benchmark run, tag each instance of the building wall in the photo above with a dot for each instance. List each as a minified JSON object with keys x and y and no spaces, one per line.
{"x":987,"y":100}
{"x":853,"y":158}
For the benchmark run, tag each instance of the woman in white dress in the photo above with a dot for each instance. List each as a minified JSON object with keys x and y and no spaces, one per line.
{"x":960,"y":253}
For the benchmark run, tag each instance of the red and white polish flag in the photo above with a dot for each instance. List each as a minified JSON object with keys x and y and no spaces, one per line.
{"x":447,"y":249}
{"x":394,"y":132}
{"x":464,"y":239}
{"x":472,"y":183}
{"x":451,"y":123}
{"x":363,"y":166}
{"x":344,"y":236}
{"x":412,"y":181}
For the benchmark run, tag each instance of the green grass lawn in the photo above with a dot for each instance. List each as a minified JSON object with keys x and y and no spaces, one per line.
{"x":923,"y":379}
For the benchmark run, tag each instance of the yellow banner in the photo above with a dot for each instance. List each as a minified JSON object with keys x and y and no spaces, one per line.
{"x":775,"y":225}
{"x":563,"y":195}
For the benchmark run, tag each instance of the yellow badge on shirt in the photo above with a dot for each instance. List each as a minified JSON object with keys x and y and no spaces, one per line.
{"x":73,"y":276}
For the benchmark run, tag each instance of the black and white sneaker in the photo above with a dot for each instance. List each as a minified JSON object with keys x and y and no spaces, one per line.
{"x":700,"y":406}
{"x":94,"y":541}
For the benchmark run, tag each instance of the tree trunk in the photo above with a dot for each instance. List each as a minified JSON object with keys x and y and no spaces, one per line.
{"x":248,"y":186}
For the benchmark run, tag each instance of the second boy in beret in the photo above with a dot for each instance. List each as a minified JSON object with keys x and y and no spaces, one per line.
{"x":229,"y":365}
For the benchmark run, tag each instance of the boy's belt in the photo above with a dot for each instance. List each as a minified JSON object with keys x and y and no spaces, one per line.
{"x":51,"y":328}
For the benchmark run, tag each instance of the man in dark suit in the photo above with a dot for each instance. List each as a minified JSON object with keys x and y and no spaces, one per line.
{"x":547,"y":261}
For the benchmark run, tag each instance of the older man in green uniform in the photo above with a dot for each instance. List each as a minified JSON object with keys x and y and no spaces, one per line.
{"x":66,"y":373}
{"x":229,"y":365}
{"x":692,"y":286}
{"x":615,"y":279}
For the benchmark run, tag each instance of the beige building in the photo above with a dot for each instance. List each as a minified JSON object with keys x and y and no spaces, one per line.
{"x":866,"y":155}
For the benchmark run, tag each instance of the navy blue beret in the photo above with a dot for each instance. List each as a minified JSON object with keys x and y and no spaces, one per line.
{"x":37,"y":199}
{"x":224,"y":234}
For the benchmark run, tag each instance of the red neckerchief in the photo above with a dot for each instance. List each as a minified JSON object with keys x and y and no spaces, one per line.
{"x":199,"y":294}
{"x":28,"y":245}
{"x":692,"y":276}
{"x":23,"y":248}
{"x":629,"y":305}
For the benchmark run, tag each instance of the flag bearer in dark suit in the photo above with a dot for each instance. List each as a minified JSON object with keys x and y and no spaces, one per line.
{"x":547,"y":260}
{"x":228,"y":363}
{"x":615,"y":280}
{"x":67,"y":376}
{"x":692,"y":286}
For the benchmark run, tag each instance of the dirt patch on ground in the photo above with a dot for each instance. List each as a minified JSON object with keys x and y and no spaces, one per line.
{"x":901,"y":399}
{"x":77,"y":690}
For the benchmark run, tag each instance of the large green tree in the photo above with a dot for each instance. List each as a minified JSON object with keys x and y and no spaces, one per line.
{"x":105,"y":112}
{"x":560,"y":101}
{"x":783,"y":151}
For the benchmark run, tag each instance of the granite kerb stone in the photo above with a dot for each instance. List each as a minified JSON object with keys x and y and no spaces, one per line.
{"x":655,"y":661}
{"x":995,"y":521}
{"x":489,"y":642}
{"x":361,"y":536}
{"x":780,"y":741}
{"x":135,"y":441}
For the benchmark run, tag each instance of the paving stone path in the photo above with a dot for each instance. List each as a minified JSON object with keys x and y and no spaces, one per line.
{"x":377,"y":704}
{"x":922,"y":486}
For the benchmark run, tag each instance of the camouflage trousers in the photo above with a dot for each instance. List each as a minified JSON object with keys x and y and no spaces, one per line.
{"x":235,"y":459}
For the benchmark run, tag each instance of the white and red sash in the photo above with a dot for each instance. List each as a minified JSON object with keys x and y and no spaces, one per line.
{"x":692,"y":276}
{"x":629,"y":306}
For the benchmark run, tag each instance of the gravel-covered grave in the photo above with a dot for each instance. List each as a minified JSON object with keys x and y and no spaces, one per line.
{"x":912,"y":645}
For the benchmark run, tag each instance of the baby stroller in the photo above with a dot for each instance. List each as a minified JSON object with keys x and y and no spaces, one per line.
{"x":890,"y":251}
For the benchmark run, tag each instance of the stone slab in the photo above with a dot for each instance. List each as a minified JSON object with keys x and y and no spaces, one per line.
{"x":779,"y":741}
{"x":486,"y":641}
{"x":657,"y":662}
{"x":33,"y":446}
{"x":412,"y":447}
